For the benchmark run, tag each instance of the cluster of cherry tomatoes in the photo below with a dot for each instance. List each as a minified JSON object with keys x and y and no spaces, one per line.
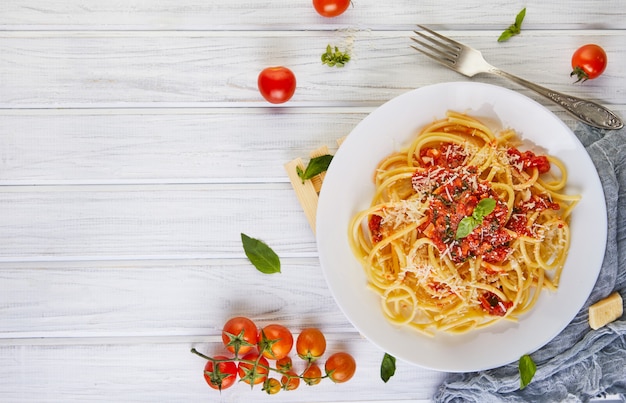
{"x":278,"y":84}
{"x":254,"y":348}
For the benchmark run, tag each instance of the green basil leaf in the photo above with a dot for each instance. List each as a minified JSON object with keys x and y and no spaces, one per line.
{"x":262,"y":256}
{"x":513,"y":29}
{"x":466,"y":226}
{"x":527,"y":369}
{"x":316,"y":166}
{"x":300,"y":171}
{"x":387,"y":367}
{"x":520,"y":18}
{"x":505,"y":36}
{"x":484,"y":208}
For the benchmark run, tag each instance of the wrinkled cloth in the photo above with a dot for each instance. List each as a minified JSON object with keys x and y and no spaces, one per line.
{"x":579,"y":364}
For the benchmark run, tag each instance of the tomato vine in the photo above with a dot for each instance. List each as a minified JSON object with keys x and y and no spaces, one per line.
{"x":261,"y":356}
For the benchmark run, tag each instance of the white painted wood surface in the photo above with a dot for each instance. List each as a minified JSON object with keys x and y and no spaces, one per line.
{"x":135,"y":148}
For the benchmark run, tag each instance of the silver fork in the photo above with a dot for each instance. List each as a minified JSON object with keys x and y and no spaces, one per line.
{"x":469,"y":61}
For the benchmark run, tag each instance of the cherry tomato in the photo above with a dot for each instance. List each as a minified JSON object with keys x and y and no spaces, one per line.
{"x":253,"y":373}
{"x":284,"y":364}
{"x":312,"y":375}
{"x":331,"y":8}
{"x":271,"y":386}
{"x":588,"y":62}
{"x":277,"y":84}
{"x":290,"y":381}
{"x":340,"y":367}
{"x":275,"y":341}
{"x":239,"y":335}
{"x":223,"y":376}
{"x":310,"y":344}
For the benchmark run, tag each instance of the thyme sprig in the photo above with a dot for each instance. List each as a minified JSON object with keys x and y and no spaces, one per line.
{"x":335,"y":57}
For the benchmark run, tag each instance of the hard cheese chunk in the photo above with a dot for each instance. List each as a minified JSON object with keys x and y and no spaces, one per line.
{"x":605,"y":311}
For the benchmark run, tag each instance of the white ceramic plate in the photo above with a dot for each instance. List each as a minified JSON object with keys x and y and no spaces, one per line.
{"x":348,"y":189}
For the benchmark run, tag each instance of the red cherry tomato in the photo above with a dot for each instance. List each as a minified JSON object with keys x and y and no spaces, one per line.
{"x":284,"y":364}
{"x":340,"y":367}
{"x":588,"y":62}
{"x":223,"y":376}
{"x":275,"y":341}
{"x":239,"y":335}
{"x":310,"y":344}
{"x":290,"y":381}
{"x":312,"y":375}
{"x":271,"y":386}
{"x":255,"y":370}
{"x":331,"y":8}
{"x":277,"y":84}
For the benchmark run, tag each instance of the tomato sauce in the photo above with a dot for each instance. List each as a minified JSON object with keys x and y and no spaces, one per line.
{"x":519,"y":217}
{"x":453,"y":195}
{"x":527,"y":159}
{"x":374,"y":226}
{"x":448,"y":155}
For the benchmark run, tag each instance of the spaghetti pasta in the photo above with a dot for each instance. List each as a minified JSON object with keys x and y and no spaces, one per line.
{"x":441,"y":260}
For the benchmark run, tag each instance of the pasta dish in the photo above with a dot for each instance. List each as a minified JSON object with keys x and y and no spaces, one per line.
{"x":464,"y":229}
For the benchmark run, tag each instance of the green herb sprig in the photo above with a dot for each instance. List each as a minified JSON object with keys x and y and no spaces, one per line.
{"x":260,"y":255}
{"x":316,"y":166}
{"x":467,"y":224}
{"x":527,"y":369}
{"x":334,"y":57}
{"x":387,"y":367}
{"x":514,"y":29}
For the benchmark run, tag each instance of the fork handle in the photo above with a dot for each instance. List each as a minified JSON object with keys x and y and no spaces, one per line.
{"x":587,"y":111}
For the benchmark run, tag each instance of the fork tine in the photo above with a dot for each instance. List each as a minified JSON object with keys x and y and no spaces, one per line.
{"x":458,"y":45}
{"x":446,"y":63}
{"x":444,"y":50}
{"x":443,"y":57}
{"x":455,"y":50}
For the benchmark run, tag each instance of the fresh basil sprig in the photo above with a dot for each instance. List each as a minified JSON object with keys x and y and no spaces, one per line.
{"x":260,"y":255}
{"x":527,"y":369}
{"x":515,"y":28}
{"x":387,"y":367}
{"x":316,"y":166}
{"x":467,"y":224}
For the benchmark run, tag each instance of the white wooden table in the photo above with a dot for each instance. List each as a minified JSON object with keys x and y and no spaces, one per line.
{"x":135,"y":148}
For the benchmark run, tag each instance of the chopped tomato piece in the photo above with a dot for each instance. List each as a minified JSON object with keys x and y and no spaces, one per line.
{"x":493,"y":305}
{"x":529,"y":159}
{"x":374,"y":227}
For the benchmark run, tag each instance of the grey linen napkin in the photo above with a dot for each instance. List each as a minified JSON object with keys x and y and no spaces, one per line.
{"x":580,"y":363}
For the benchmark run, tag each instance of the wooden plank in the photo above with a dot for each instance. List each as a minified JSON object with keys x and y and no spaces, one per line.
{"x":277,"y":15}
{"x":153,"y":370}
{"x":149,"y":222}
{"x":128,"y":146}
{"x":157,"y":69}
{"x":160,"y":298}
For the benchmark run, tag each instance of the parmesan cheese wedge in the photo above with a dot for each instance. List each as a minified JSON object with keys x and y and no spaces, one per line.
{"x":605,"y":311}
